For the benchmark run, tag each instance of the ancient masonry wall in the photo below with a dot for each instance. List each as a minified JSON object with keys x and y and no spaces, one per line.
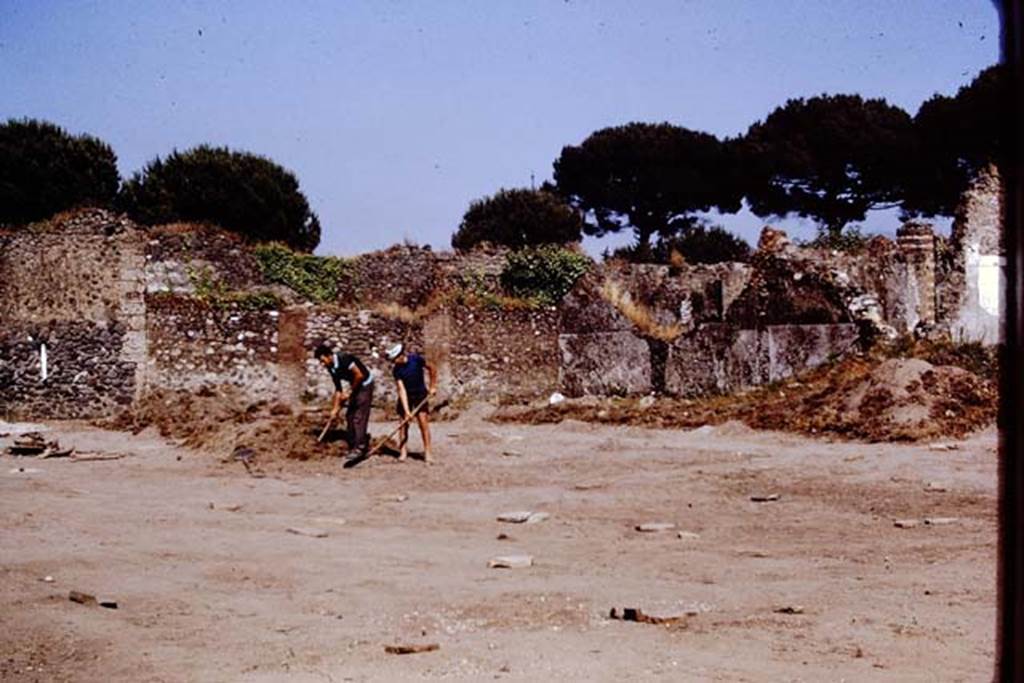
{"x":973,"y":270}
{"x":707,"y":332}
{"x":193,"y":345}
{"x":72,"y":290}
{"x":497,"y":354}
{"x":115,"y":308}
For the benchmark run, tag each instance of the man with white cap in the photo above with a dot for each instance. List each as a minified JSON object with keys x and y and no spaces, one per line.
{"x":412,"y":394}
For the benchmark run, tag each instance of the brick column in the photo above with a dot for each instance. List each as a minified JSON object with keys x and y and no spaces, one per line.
{"x":917,"y":242}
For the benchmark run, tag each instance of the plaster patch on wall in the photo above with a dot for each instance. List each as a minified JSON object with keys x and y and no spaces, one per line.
{"x":990,"y":283}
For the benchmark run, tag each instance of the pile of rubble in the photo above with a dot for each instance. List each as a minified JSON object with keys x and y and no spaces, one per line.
{"x":34,"y":444}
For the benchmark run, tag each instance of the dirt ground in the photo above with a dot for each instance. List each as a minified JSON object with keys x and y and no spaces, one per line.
{"x":211,"y":586}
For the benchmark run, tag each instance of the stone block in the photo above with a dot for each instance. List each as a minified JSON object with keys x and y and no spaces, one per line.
{"x":795,"y":348}
{"x":603,"y":363}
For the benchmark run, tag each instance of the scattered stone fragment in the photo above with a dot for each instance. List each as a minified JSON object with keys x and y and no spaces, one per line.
{"x":638,"y":615}
{"x":654,"y":527}
{"x":523,"y":517}
{"x":511,"y":562}
{"x":109,"y":604}
{"x":687,"y":536}
{"x":235,"y":507}
{"x":935,"y":487}
{"x":941,"y":521}
{"x":555,"y":399}
{"x":47,"y":579}
{"x":511,"y":454}
{"x":943,"y":447}
{"x":906,"y":523}
{"x":764,"y":498}
{"x":504,"y":537}
{"x":646,"y":402}
{"x":411,"y":649}
{"x":307,"y":531}
{"x":82,"y":598}
{"x":790,"y":609}
{"x":92,"y":457}
{"x":589,"y":486}
{"x":56,"y":453}
{"x":396,"y":498}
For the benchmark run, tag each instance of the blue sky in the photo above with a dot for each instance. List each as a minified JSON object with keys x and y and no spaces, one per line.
{"x":395,"y":115}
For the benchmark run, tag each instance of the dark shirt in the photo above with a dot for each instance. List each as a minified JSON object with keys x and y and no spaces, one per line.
{"x":411,"y":374}
{"x":341,"y":370}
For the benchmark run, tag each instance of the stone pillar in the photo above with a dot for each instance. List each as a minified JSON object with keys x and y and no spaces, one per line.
{"x":917,"y":242}
{"x":437,"y":343}
{"x":292,"y":354}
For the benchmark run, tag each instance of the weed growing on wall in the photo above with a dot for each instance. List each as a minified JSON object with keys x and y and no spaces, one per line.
{"x":642,"y":318}
{"x":213,"y":292}
{"x":318,"y":278}
{"x":545,"y":274}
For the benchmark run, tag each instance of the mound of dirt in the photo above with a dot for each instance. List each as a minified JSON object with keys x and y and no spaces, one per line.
{"x":862,"y":397}
{"x":220,"y":421}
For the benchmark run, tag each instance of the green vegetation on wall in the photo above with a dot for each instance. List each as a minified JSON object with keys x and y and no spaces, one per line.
{"x":317,"y":278}
{"x":545,"y":274}
{"x":213,"y":292}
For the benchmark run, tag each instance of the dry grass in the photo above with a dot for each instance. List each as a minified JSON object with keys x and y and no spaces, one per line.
{"x":638,"y":314}
{"x":396,"y":311}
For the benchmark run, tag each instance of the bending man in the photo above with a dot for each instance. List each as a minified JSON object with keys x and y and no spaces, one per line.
{"x":412,"y":394}
{"x":348,"y":368}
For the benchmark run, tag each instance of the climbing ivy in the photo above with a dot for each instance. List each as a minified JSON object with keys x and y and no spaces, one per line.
{"x":318,"y":278}
{"x":212,"y":291}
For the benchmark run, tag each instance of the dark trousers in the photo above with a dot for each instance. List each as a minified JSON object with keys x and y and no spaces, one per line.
{"x":357,"y":416}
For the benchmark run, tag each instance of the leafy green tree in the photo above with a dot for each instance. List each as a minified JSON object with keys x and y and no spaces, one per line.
{"x":706,"y":244}
{"x":242,"y":192}
{"x":44,"y":169}
{"x":518,"y":218}
{"x":957,"y":137}
{"x":650,"y":178}
{"x":832,"y":158}
{"x":697,"y":243}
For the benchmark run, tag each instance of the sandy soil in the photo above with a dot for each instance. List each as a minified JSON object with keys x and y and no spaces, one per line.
{"x":208,"y":591}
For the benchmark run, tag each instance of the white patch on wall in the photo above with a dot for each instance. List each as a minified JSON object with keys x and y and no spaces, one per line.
{"x":43,"y":369}
{"x":990,"y":283}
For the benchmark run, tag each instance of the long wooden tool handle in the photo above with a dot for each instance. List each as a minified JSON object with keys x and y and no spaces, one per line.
{"x":401,"y":424}
{"x":326,"y":427}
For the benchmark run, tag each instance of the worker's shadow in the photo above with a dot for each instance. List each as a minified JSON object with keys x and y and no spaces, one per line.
{"x":332,"y":435}
{"x":391,"y":450}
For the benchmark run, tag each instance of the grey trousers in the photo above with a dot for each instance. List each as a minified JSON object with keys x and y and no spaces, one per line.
{"x":357,"y":416}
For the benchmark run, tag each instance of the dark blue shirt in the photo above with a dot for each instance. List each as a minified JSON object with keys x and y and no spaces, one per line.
{"x":411,"y":374}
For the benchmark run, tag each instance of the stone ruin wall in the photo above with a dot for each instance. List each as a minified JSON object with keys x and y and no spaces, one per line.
{"x":116,"y":307}
{"x":972,"y":267}
{"x":74,"y":285}
{"x":194,"y":345}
